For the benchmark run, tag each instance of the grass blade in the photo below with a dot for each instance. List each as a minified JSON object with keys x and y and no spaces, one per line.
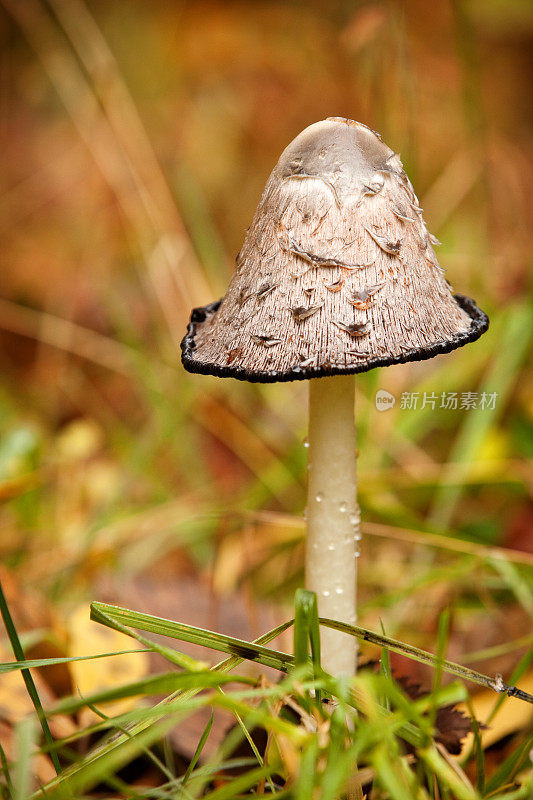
{"x":6,"y":773}
{"x":13,"y":666}
{"x":424,"y":657}
{"x":439,"y":767}
{"x":97,"y":767}
{"x":385,"y":667}
{"x":518,"y":585}
{"x":506,"y":771}
{"x":305,"y":782}
{"x":392,"y":780}
{"x":115,"y":617}
{"x":478,"y":749}
{"x":22,"y":773}
{"x":157,"y":684}
{"x":240,"y":785}
{"x":307,"y":632}
{"x":520,"y":670}
{"x":200,"y":746}
{"x":28,"y":680}
{"x":174,"y":656}
{"x":525,"y":792}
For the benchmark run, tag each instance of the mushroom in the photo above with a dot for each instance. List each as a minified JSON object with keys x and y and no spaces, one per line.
{"x":338,"y":211}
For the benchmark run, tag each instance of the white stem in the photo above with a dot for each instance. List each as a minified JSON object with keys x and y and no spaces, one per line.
{"x":333,"y":515}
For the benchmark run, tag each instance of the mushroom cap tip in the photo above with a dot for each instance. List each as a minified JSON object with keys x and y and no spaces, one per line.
{"x":342,"y":152}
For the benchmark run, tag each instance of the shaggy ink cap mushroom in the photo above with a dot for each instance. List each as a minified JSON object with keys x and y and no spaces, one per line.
{"x":337,"y":273}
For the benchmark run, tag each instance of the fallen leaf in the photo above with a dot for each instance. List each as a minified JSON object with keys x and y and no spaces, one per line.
{"x":88,"y":638}
{"x":514,"y":715}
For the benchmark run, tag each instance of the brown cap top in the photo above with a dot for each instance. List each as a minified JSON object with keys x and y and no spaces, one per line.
{"x":337,"y":273}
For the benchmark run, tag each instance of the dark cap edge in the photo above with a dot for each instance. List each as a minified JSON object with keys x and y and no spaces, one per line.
{"x":480,"y":323}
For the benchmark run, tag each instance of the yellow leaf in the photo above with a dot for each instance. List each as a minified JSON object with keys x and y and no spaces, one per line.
{"x":15,"y":702}
{"x":79,"y":440}
{"x":514,"y":715}
{"x":89,"y":638}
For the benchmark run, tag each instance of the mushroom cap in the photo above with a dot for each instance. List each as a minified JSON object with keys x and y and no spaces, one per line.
{"x":337,"y":273}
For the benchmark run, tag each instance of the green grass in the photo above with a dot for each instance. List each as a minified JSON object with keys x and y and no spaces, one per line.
{"x":372,"y":732}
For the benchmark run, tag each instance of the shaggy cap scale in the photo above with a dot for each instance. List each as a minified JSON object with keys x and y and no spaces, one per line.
{"x":337,"y":273}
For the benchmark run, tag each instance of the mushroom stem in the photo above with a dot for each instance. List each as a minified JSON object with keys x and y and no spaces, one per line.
{"x":333,"y":515}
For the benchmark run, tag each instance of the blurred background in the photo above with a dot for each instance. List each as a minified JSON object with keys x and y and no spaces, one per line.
{"x":136,"y":140}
